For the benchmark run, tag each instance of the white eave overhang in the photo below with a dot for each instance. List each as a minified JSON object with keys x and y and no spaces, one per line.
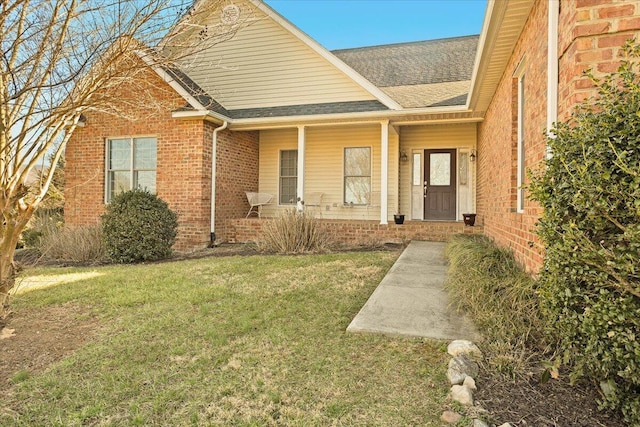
{"x":415,"y":116}
{"x":503,"y":24}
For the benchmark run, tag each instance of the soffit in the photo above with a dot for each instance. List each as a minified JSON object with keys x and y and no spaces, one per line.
{"x":503,"y":25}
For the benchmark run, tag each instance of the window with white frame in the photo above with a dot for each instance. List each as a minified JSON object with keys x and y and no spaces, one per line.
{"x":357,"y":175}
{"x":288,"y":177}
{"x":131,"y":163}
{"x":520,"y":149}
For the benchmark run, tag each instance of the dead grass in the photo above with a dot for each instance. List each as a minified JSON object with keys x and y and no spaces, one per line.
{"x":487,"y":283}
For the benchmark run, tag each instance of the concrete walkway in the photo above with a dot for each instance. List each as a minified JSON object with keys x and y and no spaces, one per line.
{"x":410,"y":300}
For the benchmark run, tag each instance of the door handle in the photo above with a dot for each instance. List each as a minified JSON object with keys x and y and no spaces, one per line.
{"x":425,"y":188}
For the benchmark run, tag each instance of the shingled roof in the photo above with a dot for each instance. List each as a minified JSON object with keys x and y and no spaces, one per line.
{"x":418,"y":74}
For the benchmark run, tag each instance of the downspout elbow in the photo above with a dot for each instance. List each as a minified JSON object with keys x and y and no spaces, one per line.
{"x":214,"y":151}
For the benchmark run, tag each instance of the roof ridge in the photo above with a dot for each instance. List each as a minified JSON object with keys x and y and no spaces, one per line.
{"x":405,"y":43}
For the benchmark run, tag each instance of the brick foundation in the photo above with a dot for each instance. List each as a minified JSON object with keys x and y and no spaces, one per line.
{"x":363,"y":233}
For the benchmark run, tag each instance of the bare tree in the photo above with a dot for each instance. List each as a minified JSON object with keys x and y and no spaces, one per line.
{"x":60,"y":59}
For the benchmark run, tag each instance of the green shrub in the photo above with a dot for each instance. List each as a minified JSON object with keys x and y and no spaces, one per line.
{"x":487,"y":283}
{"x":138,"y":226}
{"x":293,"y":232}
{"x":590,"y":282}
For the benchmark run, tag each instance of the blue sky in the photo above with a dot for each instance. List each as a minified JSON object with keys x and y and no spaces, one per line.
{"x":338,"y":24}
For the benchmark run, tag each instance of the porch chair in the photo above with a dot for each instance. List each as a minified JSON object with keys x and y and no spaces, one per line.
{"x":256,"y":200}
{"x":314,"y":200}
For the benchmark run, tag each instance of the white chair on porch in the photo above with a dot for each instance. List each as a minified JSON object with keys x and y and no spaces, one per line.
{"x":314,"y":201}
{"x":256,"y":200}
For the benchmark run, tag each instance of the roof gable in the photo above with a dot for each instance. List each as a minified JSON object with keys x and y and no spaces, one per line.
{"x":269,"y":63}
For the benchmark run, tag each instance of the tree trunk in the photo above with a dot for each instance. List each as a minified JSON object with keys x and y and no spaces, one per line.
{"x":8,"y":271}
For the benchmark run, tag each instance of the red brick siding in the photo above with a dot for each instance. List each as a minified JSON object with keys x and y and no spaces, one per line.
{"x":236,"y":173}
{"x":590,"y":35}
{"x":183,"y":157}
{"x":354,"y":233}
{"x":497,"y":145}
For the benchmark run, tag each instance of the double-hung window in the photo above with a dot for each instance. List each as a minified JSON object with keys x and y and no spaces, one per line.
{"x":288,"y":177}
{"x":131,"y":163}
{"x":357,"y":175}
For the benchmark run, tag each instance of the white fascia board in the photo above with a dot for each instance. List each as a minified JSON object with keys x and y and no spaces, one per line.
{"x":492,"y":19}
{"x":201,"y":114}
{"x":343,"y":118}
{"x":192,"y":101}
{"x":288,"y":121}
{"x":322,"y":51}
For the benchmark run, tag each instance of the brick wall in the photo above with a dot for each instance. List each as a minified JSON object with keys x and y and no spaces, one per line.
{"x":497,"y":145}
{"x":590,"y":35}
{"x":236,"y":173}
{"x":182,"y":159}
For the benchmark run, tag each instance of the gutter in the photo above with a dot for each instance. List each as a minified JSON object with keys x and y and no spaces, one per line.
{"x":285,"y":121}
{"x":214,"y":150}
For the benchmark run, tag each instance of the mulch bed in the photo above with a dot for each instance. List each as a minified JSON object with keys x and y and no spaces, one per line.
{"x":529,"y":402}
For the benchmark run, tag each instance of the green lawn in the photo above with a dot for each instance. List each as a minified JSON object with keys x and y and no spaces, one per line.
{"x":246,"y":341}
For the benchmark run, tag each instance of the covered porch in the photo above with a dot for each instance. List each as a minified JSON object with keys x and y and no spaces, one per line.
{"x":369,"y":171}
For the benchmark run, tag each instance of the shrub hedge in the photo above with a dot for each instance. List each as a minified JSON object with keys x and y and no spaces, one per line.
{"x":590,"y":283}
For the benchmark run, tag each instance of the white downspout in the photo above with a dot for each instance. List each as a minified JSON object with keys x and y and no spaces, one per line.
{"x":214,"y":156}
{"x":552,"y":68}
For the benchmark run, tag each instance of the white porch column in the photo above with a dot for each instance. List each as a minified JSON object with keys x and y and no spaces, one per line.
{"x":301,"y":147}
{"x":384,"y":170}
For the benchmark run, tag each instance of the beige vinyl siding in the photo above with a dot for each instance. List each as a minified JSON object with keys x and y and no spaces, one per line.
{"x":415,"y":139}
{"x":271,"y":143}
{"x":264,"y":65}
{"x":324,"y":166}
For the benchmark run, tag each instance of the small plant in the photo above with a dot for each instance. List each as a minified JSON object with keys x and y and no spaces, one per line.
{"x":138,"y":226}
{"x":76,"y":244}
{"x":43,"y":223}
{"x":293,"y":232}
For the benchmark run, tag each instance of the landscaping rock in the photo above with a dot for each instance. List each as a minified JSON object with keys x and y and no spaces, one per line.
{"x":470,"y":383}
{"x":454,"y":375}
{"x":459,"y":347}
{"x":505,"y":425}
{"x":450,"y":417}
{"x":462,"y":394}
{"x":479,"y":423}
{"x":461,"y":367}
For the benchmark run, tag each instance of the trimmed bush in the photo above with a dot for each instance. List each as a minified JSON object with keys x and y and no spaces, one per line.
{"x":138,"y":226}
{"x":293,"y":232}
{"x":590,"y":282}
